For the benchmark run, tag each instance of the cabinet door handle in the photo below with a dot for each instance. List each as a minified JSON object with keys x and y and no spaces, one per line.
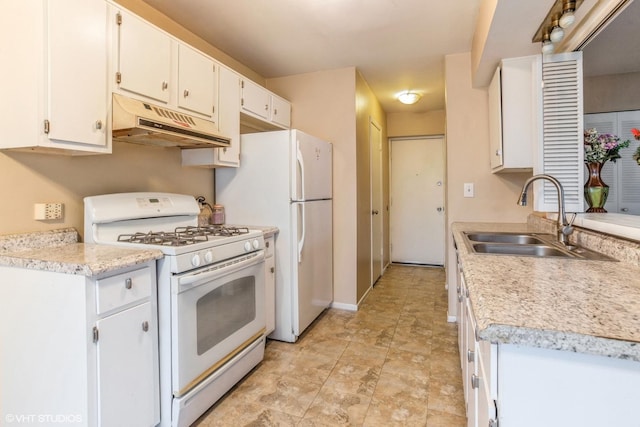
{"x":98,"y":124}
{"x":186,"y":93}
{"x":498,"y":152}
{"x":145,"y":326}
{"x":266,"y":107}
{"x":275,"y":111}
{"x":128,"y":283}
{"x":470,"y":356}
{"x":475,"y":381}
{"x":273,"y":269}
{"x":460,"y":297}
{"x":165,"y":85}
{"x":624,"y":209}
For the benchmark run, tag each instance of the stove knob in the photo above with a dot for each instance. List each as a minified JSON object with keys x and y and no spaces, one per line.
{"x":208,"y":257}
{"x":256,"y":244}
{"x":247,"y":246}
{"x":195,"y":260}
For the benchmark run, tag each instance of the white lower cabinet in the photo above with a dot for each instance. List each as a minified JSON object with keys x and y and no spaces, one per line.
{"x":508,"y":385}
{"x":270,"y":284}
{"x":79,"y":350}
{"x":127,"y":374}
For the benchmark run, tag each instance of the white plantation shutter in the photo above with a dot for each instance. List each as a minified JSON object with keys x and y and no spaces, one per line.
{"x":561,"y":153}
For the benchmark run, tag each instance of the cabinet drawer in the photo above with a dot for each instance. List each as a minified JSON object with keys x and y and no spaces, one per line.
{"x":122,"y":289}
{"x":269,"y":247}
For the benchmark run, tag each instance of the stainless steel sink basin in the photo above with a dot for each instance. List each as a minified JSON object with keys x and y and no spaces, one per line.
{"x":527,"y":244}
{"x":520,"y":239}
{"x":523,"y":249}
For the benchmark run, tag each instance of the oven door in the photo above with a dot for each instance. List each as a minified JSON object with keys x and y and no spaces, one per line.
{"x":216,"y":312}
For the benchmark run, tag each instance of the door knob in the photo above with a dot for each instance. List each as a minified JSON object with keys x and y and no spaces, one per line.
{"x":439,"y":208}
{"x":374,"y":212}
{"x":624,"y":209}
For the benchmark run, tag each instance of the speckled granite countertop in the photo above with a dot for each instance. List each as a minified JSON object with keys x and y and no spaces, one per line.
{"x":565,"y":304}
{"x":58,"y":251}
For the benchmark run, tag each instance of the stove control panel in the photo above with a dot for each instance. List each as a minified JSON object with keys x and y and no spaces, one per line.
{"x":218,"y":253}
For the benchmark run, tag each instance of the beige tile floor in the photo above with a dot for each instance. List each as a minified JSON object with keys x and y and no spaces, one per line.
{"x":394,"y":362}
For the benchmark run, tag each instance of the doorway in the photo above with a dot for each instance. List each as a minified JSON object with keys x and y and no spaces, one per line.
{"x":377,"y":212}
{"x":417,"y":221}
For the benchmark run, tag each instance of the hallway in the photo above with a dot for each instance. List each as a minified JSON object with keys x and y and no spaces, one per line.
{"x":393,"y":363}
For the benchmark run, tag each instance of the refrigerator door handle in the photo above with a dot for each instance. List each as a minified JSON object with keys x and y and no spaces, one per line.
{"x":300,"y":161}
{"x":301,"y":240}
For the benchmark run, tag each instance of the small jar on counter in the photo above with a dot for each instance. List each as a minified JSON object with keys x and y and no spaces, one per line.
{"x":217,"y":217}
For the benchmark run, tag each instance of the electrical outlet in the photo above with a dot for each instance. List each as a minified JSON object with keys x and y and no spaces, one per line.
{"x":46,"y":211}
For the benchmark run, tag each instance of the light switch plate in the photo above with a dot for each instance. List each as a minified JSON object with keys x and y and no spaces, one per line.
{"x":468,"y":189}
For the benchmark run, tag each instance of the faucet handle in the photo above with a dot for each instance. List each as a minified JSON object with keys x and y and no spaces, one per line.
{"x":568,"y":228}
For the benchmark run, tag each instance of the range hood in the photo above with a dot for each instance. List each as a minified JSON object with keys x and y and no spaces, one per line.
{"x":143,"y":123}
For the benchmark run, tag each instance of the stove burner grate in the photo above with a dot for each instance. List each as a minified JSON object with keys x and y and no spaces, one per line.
{"x":182,"y":236}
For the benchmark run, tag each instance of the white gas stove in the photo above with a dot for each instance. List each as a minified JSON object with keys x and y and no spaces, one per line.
{"x":210,"y":294}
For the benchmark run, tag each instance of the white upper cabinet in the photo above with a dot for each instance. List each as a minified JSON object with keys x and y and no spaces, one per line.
{"x":261,"y":109}
{"x":152,"y":65}
{"x":514,"y":113}
{"x":143,"y":63}
{"x":228,"y":124}
{"x":255,"y":100}
{"x":280,"y":111}
{"x":197,"y":83}
{"x":55,"y":89}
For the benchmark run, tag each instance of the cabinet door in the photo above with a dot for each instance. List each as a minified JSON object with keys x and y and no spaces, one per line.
{"x":270,"y":287}
{"x":197,"y":84}
{"x":472,"y":370}
{"x":495,"y":121}
{"x":256,"y":100}
{"x":128,"y":378}
{"x":280,"y":111}
{"x":229,"y":116}
{"x":144,"y":58}
{"x":77,"y":96}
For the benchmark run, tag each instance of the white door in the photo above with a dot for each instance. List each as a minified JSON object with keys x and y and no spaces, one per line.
{"x":377,"y":211}
{"x":312,"y":260}
{"x":311,"y":160}
{"x":417,"y":200}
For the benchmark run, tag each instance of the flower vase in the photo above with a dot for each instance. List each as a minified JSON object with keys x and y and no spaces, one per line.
{"x":595,"y":190}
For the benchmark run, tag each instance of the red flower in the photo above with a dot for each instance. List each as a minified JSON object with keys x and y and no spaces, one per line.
{"x":636,"y":133}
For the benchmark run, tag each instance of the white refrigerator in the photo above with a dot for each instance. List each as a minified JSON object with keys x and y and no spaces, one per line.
{"x":285,"y":180}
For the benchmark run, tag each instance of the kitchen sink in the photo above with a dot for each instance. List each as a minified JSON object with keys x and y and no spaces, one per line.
{"x":523,"y":249}
{"x":527,"y":244}
{"x":519,"y":239}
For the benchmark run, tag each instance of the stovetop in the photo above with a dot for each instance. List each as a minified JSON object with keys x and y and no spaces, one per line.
{"x":183,"y":236}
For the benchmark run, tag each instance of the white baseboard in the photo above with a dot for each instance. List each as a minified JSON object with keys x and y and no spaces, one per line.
{"x":343,"y":306}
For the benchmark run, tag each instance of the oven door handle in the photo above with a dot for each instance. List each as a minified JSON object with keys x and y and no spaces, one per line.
{"x":219,"y":270}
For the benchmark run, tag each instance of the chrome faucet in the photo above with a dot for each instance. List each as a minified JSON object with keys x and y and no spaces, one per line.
{"x":565,"y":227}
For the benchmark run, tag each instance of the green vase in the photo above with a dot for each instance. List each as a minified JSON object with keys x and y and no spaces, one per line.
{"x":595,"y":190}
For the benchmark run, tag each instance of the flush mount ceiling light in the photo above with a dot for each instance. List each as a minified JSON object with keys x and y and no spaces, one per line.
{"x":409,"y":97}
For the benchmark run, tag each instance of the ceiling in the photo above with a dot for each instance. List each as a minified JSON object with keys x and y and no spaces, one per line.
{"x":397,"y":45}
